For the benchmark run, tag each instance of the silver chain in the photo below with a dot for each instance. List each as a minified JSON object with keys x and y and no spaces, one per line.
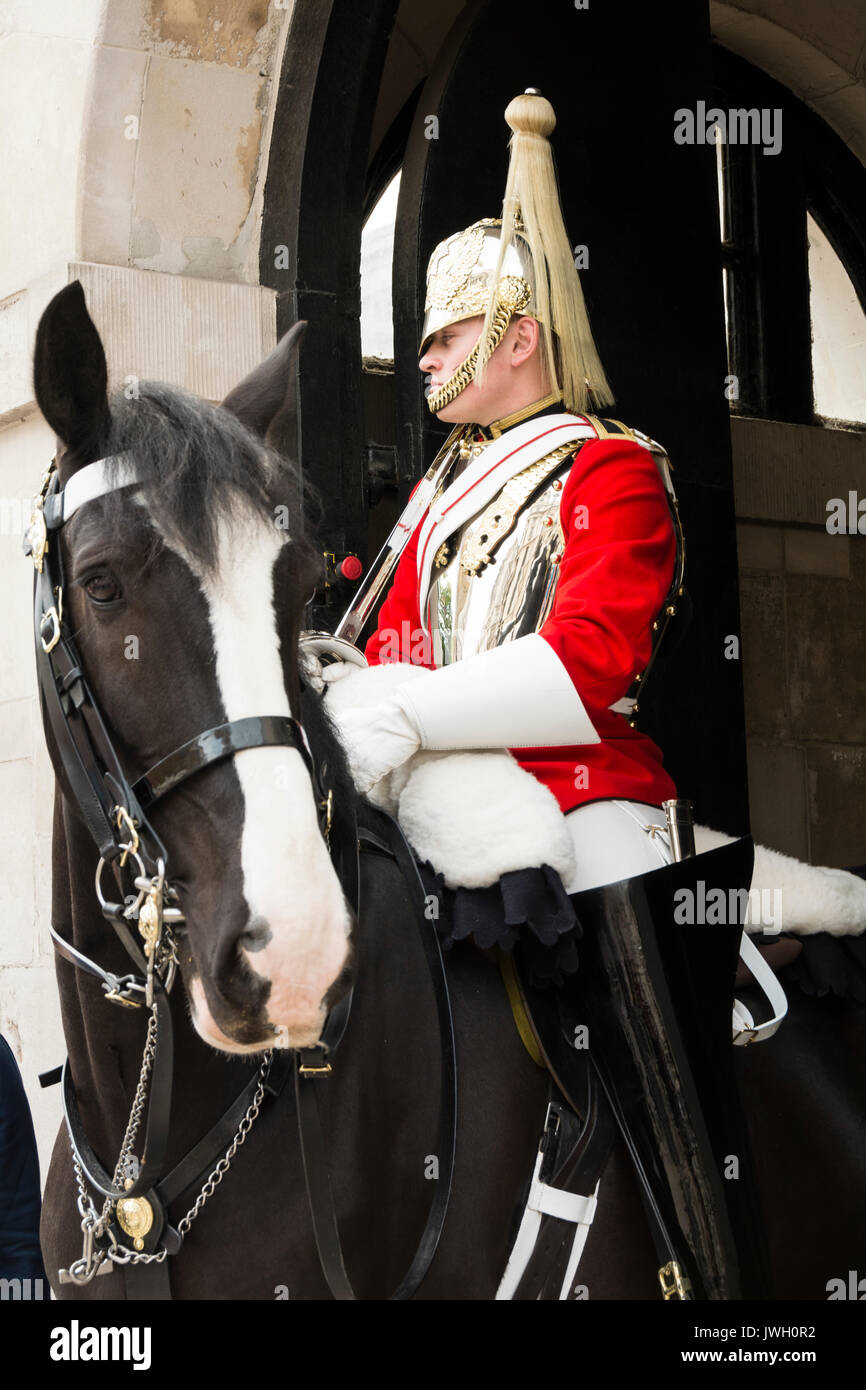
{"x":135,"y":1113}
{"x":98,"y":1225}
{"x":219,"y":1172}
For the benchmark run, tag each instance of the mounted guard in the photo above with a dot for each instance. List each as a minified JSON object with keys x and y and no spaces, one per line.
{"x":533,"y":574}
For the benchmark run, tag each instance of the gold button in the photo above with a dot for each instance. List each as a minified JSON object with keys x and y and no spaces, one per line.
{"x":548,"y":521}
{"x":555,"y":558}
{"x":557,"y":484}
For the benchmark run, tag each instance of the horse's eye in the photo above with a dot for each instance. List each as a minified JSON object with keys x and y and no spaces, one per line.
{"x":102,"y":588}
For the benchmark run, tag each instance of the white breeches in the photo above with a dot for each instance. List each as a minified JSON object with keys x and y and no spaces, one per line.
{"x":614,"y":840}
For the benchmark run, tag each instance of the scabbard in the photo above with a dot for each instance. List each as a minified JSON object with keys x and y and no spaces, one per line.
{"x":381,"y":571}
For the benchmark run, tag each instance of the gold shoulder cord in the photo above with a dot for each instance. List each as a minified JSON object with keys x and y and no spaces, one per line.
{"x":604,"y":433}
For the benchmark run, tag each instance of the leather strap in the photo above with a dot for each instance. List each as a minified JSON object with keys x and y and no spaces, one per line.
{"x":158,"y":1115}
{"x":578,"y":1072}
{"x":746,"y":1031}
{"x":147,"y":1282}
{"x":214,"y":745}
{"x":64,"y":696}
{"x":561,"y":1203}
{"x":197,"y":1165}
{"x":315,"y":1163}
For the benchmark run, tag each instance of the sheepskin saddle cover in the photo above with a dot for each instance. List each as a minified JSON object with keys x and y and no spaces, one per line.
{"x":472,"y":816}
{"x":476,"y":816}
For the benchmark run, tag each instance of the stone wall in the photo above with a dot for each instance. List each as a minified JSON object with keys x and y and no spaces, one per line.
{"x":134,"y":138}
{"x":802,"y":596}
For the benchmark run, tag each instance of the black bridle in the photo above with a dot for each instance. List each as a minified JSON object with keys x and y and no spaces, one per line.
{"x":114,"y":809}
{"x":87,"y":756}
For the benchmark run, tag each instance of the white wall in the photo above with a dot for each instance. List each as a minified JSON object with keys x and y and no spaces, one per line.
{"x":133,"y":145}
{"x":29,"y":1009}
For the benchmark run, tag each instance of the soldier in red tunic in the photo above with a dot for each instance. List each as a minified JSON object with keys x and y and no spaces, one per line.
{"x":535,"y":579}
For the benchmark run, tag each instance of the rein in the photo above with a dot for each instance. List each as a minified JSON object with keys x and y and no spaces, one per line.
{"x":114,"y":811}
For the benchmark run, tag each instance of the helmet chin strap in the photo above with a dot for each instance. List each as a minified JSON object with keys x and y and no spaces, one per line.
{"x":512,"y":295}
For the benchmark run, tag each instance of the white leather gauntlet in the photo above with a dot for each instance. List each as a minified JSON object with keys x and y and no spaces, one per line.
{"x":515,"y":696}
{"x":377,"y":741}
{"x":518,"y":695}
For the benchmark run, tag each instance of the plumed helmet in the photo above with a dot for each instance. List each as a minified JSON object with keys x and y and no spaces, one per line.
{"x":521,"y":263}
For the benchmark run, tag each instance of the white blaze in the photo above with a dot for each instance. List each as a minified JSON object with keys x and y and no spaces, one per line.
{"x":288,"y":878}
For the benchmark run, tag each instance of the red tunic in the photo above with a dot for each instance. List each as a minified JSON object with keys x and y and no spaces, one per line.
{"x":616,"y":570}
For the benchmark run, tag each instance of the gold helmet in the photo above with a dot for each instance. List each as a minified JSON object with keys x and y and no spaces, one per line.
{"x":519,"y":264}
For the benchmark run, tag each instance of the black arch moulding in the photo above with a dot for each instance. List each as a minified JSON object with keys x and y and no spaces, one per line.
{"x":313,"y":209}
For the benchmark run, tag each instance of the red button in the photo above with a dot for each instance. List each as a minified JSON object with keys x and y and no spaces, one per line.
{"x":351,"y":568}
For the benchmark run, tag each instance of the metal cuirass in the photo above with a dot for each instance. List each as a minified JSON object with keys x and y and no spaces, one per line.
{"x":494,"y":580}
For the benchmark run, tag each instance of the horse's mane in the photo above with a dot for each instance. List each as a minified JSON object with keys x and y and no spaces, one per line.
{"x":197,"y":464}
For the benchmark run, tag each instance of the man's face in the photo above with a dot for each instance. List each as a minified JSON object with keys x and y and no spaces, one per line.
{"x":444,"y":354}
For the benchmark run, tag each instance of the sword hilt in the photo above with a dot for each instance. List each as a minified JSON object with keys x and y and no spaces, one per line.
{"x":681,"y":828}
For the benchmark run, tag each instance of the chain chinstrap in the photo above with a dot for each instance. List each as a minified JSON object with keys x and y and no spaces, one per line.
{"x":513,"y":295}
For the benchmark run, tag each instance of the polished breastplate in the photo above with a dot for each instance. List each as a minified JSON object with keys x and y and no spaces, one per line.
{"x":494,"y":580}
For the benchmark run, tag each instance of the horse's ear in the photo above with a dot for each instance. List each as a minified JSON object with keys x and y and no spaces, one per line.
{"x":259,"y":398}
{"x":70,"y":373}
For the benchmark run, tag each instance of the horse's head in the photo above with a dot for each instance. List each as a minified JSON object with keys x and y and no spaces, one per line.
{"x":185,"y":595}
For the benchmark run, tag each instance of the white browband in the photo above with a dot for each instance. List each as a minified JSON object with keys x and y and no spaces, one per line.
{"x":92,"y":481}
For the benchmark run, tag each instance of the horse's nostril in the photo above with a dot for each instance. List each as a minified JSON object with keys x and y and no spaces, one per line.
{"x":256,"y":936}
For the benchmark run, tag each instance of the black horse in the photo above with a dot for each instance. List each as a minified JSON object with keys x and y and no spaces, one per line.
{"x":185,"y":597}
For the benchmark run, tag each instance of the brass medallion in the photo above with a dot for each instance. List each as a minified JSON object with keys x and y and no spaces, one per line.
{"x":135,"y":1218}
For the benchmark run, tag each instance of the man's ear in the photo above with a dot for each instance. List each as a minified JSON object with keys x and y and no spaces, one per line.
{"x":527,"y":339}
